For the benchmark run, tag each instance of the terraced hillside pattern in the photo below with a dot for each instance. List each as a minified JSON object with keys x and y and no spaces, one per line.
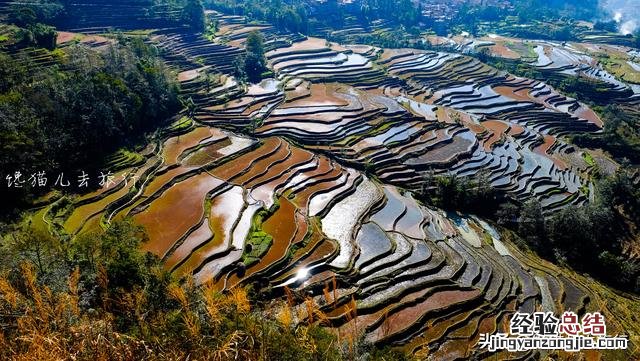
{"x":304,"y":182}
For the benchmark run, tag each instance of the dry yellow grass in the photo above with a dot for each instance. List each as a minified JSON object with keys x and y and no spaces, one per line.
{"x":39,"y":324}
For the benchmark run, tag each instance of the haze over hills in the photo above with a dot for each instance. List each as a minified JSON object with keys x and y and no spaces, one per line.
{"x":315,"y":179}
{"x":625,"y":13}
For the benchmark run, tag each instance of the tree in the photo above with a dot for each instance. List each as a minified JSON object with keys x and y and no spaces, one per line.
{"x":507,"y":214}
{"x":563,"y":33}
{"x":120,"y":255}
{"x":255,"y":44}
{"x":255,"y":63}
{"x":67,"y":118}
{"x":23,"y":16}
{"x":610,"y":26}
{"x":621,"y":136}
{"x":41,"y":35}
{"x":531,"y":224}
{"x":193,"y":15}
{"x":29,"y":13}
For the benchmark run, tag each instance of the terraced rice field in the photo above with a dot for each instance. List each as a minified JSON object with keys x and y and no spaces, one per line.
{"x":613,"y":65}
{"x":265,"y":185}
